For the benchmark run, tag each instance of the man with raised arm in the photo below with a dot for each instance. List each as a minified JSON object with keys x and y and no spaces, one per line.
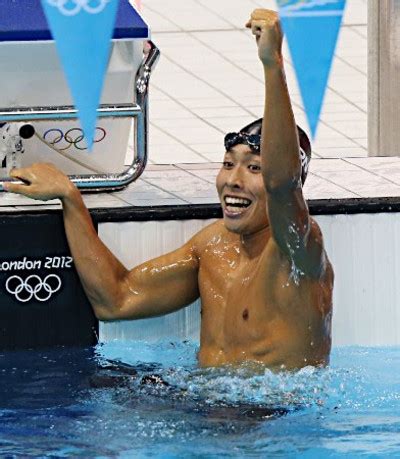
{"x":261,"y":272}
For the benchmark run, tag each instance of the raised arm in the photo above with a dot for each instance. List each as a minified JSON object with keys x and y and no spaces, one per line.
{"x":295,"y":233}
{"x":155,"y":288}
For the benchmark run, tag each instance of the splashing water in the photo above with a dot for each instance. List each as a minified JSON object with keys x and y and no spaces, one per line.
{"x":49,"y":409}
{"x":353,"y":379}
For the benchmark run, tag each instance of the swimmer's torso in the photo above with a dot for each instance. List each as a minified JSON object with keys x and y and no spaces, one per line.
{"x":257,"y":309}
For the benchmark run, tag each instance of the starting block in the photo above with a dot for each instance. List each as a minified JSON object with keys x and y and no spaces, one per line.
{"x":38,"y":122}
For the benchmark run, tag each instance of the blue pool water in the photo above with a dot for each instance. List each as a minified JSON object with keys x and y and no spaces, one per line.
{"x":103,"y":402}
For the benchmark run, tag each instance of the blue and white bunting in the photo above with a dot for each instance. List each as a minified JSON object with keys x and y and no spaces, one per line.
{"x":83,"y":30}
{"x":311,"y":28}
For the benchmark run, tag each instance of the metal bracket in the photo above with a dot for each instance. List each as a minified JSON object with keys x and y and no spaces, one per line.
{"x":103,"y":182}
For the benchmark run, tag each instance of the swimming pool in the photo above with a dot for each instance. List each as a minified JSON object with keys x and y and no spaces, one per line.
{"x":86,"y":403}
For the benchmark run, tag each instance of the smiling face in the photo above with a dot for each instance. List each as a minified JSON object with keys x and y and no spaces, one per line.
{"x":242,"y":192}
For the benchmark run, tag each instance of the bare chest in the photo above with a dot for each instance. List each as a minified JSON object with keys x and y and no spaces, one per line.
{"x":236,"y":303}
{"x":254,"y":303}
{"x":253,"y":309}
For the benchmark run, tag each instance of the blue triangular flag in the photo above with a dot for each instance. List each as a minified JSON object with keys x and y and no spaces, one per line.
{"x":83,"y":30}
{"x":311,"y":28}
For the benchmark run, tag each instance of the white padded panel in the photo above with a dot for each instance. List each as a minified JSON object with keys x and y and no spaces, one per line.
{"x":363,"y":249}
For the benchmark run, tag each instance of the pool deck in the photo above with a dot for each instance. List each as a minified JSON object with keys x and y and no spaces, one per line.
{"x":351,"y":185}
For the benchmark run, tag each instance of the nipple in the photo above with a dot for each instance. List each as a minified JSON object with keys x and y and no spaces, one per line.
{"x":245,"y":314}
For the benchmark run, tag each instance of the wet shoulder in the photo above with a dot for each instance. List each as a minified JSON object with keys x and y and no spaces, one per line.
{"x":212,"y":235}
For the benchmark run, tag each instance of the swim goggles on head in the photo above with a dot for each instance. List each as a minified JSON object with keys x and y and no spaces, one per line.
{"x":254,"y":142}
{"x":235,"y":138}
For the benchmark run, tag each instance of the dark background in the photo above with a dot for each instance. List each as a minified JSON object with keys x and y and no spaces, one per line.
{"x":66,"y":318}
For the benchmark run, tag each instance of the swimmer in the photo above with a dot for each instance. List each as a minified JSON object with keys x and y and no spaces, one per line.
{"x":262,"y":273}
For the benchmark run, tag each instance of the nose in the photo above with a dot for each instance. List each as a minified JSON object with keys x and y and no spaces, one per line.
{"x":235,"y":178}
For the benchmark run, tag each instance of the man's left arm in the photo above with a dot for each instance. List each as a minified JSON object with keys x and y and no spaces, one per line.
{"x":297,"y":236}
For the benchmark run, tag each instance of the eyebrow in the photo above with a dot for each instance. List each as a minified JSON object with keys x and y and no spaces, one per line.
{"x":253,"y":153}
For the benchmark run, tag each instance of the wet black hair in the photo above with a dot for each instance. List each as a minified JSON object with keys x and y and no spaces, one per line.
{"x":255,"y":128}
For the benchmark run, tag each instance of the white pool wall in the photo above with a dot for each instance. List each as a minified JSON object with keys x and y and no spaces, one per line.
{"x":364,"y":250}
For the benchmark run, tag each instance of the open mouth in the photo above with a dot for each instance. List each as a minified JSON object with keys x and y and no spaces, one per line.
{"x":236,"y":206}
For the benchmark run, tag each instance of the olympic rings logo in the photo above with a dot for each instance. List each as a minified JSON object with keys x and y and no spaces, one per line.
{"x":33,"y":287}
{"x":78,"y":6}
{"x":73,"y":137}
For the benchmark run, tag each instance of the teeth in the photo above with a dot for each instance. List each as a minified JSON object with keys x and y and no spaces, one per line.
{"x":233,"y":201}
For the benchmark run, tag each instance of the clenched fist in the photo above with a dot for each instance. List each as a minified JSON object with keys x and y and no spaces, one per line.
{"x":266,"y":27}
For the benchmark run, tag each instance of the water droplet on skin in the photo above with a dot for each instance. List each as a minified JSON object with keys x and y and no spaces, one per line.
{"x":312,"y":344}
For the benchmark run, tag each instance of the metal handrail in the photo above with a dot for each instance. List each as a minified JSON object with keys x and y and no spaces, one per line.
{"x":112,"y":181}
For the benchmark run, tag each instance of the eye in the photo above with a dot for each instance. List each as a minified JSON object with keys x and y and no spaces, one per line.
{"x":255,"y":167}
{"x":227,"y":164}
